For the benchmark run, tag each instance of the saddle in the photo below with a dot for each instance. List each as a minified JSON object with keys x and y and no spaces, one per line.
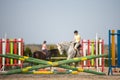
{"x":43,"y":52}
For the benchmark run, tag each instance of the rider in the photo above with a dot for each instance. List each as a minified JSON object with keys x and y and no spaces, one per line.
{"x":76,"y":40}
{"x":44,"y":48}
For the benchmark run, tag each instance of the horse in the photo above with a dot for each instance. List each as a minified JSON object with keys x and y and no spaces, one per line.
{"x":42,"y":55}
{"x":68,"y":48}
{"x":39,"y":55}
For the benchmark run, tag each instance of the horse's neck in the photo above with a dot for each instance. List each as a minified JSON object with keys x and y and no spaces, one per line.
{"x":66,"y":47}
{"x":71,"y":52}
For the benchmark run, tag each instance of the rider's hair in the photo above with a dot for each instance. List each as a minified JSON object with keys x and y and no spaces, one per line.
{"x":44,"y":42}
{"x":75,"y":31}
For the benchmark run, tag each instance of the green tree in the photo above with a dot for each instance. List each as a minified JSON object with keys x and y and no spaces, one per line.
{"x":51,"y":46}
{"x":28,"y":52}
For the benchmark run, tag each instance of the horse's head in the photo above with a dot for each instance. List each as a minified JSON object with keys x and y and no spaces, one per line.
{"x":60,"y":49}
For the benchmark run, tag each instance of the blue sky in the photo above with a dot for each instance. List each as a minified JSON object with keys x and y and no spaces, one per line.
{"x":55,"y":20}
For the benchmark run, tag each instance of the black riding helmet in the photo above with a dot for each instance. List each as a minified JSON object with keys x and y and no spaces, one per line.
{"x":75,"y":31}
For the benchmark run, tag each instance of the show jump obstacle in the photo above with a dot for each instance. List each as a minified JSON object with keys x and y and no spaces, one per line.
{"x":44,"y":64}
{"x":10,"y":46}
{"x":93,"y":47}
{"x":114,"y":50}
{"x":11,"y":54}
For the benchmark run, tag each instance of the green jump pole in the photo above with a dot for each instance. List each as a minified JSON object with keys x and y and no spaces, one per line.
{"x":25,"y":58}
{"x":78,"y":59}
{"x":81,"y":70}
{"x":26,"y":69}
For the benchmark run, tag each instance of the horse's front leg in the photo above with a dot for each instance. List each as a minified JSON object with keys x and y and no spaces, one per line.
{"x":68,"y":57}
{"x":71,"y":64}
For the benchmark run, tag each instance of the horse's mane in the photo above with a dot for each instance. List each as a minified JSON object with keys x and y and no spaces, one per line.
{"x":67,"y":44}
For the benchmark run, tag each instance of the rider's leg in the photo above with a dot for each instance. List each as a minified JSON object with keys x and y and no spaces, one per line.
{"x":76,"y":46}
{"x":46,"y":52}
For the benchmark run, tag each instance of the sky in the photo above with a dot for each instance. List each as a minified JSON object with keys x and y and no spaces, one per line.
{"x":56,"y":20}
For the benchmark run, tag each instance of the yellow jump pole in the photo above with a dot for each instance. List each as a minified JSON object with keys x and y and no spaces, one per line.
{"x":92,"y":53}
{"x":113,"y":48}
{"x":11,"y":50}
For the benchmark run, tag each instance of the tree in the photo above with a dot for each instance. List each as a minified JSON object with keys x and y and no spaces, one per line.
{"x":28,"y":52}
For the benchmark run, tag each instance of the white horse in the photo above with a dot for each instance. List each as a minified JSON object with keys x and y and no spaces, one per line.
{"x":68,"y":48}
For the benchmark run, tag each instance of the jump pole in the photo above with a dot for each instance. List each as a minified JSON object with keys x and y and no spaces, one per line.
{"x":15,"y":50}
{"x":19,"y":49}
{"x":84,"y":48}
{"x":3,"y":52}
{"x":11,"y":50}
{"x":118,"y":47}
{"x":102,"y":53}
{"x":7,"y":51}
{"x":0,"y":53}
{"x":88,"y":61}
{"x":97,"y":52}
{"x":92,"y":53}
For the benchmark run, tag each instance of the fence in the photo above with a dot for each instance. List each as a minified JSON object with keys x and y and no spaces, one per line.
{"x":10,"y":46}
